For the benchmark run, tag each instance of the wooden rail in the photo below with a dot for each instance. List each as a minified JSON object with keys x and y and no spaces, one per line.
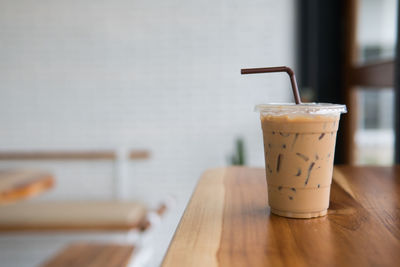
{"x":71,"y":155}
{"x":139,"y":154}
{"x":58,"y":155}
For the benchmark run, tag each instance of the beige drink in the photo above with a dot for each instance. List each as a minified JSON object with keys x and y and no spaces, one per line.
{"x":299,"y":145}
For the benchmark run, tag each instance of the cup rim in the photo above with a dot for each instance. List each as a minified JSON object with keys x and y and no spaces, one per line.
{"x":309,"y":108}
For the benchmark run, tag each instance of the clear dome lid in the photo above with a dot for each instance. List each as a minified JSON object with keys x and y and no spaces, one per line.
{"x":304,"y":108}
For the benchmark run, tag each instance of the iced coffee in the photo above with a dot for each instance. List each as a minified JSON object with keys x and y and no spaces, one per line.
{"x":299,"y":146}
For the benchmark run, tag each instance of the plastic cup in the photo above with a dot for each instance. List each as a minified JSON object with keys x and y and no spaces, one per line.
{"x":299,"y":147}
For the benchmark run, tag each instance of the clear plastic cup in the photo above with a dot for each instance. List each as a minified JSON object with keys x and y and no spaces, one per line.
{"x":299,"y":147}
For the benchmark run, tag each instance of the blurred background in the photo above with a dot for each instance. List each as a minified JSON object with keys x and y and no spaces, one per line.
{"x":129,"y":101}
{"x":346,"y":53}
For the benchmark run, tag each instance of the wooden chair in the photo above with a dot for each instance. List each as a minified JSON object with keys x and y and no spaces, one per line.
{"x":73,"y":221}
{"x":72,"y":215}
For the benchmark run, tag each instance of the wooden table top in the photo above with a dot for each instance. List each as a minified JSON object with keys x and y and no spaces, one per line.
{"x":20,"y":184}
{"x":228,"y":223}
{"x":92,"y":254}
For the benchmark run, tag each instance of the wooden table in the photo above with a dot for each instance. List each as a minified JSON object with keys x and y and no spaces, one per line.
{"x":92,"y":254}
{"x":20,"y":184}
{"x":228,"y":223}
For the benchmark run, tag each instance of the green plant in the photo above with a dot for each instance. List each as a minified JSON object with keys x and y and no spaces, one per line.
{"x":238,"y":157}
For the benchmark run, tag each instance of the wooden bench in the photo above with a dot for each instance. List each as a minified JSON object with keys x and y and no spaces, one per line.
{"x":73,"y":215}
{"x":52,"y":216}
{"x":92,"y":254}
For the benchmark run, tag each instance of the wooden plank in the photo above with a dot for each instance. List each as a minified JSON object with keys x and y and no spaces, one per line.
{"x":201,"y":236}
{"x":139,"y":154}
{"x":376,"y":75}
{"x":21,"y":184}
{"x":92,"y":255}
{"x":397,"y":94}
{"x":346,"y":151}
{"x":361,"y":229}
{"x":58,"y":155}
{"x":76,"y":216}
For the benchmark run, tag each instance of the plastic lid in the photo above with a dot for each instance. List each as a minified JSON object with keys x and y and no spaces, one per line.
{"x":304,"y":108}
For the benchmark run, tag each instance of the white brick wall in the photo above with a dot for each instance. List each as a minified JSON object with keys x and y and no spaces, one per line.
{"x":159,"y":75}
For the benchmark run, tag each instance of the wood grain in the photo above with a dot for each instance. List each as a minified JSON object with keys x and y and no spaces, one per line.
{"x":76,"y":216}
{"x":21,"y":184}
{"x":92,"y":255}
{"x":362,"y":227}
{"x":200,"y":244}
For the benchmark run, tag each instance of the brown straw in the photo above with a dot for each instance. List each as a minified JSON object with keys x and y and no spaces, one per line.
{"x":278,"y":69}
